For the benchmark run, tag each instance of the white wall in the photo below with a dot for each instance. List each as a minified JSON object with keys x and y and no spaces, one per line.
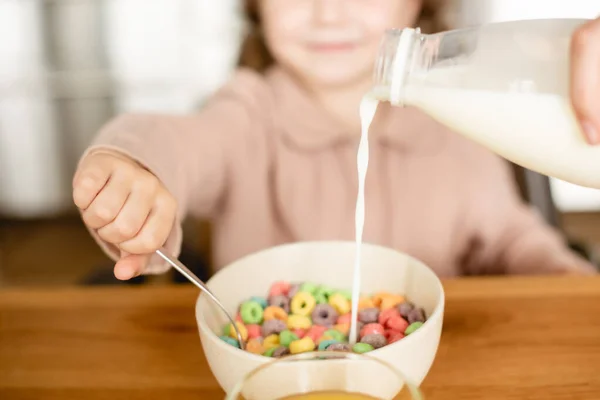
{"x":163,"y":55}
{"x":170,"y":54}
{"x":568,"y":197}
{"x":30,"y":176}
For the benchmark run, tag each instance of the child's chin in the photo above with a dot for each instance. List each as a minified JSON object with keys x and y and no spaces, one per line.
{"x":336,"y":76}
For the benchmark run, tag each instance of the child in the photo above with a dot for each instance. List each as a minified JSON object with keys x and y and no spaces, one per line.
{"x":272,"y":159}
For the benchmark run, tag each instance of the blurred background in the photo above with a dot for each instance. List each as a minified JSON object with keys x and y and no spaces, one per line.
{"x":67,"y":66}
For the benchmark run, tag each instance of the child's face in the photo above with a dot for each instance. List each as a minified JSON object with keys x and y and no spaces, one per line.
{"x":332,"y":42}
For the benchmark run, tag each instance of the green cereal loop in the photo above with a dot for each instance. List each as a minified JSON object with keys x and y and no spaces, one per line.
{"x":321,"y":298}
{"x":230,"y":341}
{"x":346,"y":293}
{"x":335,"y":335}
{"x":269,"y":352}
{"x":251,"y":313}
{"x":324,"y":290}
{"x":413,"y":327}
{"x":226,"y":330}
{"x":361,"y":348}
{"x":326,"y":343}
{"x":286,"y":337}
{"x":308,"y":287}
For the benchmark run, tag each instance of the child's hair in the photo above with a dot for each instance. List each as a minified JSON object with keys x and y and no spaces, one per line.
{"x":255,"y":54}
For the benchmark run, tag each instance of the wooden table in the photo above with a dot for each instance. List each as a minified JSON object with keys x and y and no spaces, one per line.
{"x":504,"y":338}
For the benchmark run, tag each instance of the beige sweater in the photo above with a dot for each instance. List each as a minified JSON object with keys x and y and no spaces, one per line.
{"x":268,"y":166}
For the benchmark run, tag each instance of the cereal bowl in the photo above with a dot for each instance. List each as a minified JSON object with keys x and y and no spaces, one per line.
{"x":326,"y":263}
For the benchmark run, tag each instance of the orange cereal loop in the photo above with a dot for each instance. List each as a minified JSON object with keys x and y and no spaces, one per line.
{"x":273,"y":312}
{"x":255,"y":347}
{"x":378,"y":298}
{"x":343,"y":328}
{"x":390,"y":302}
{"x":365,"y":302}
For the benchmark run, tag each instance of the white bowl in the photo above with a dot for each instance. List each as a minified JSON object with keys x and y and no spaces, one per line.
{"x":329,"y":263}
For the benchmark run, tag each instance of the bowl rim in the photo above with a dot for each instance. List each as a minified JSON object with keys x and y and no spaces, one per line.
{"x":437,"y":310}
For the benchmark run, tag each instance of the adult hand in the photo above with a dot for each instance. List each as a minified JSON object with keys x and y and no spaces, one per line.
{"x":585,"y":78}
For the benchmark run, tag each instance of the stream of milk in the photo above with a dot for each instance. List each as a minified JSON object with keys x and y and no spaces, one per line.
{"x":368,"y":107}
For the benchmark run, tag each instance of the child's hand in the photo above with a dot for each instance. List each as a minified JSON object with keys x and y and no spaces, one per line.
{"x":127,"y":206}
{"x":585,"y":78}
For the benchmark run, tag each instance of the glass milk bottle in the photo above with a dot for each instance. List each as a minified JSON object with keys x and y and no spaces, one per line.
{"x":503,"y":85}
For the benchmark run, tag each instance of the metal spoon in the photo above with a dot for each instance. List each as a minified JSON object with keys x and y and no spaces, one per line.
{"x":175,"y":263}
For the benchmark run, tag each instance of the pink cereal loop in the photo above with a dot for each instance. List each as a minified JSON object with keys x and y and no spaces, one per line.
{"x":254,"y":331}
{"x":385,"y":315}
{"x":315,"y":332}
{"x":344,"y":319}
{"x":397,"y":323}
{"x":280,"y":288}
{"x":372,"y":329}
{"x":299,"y":332}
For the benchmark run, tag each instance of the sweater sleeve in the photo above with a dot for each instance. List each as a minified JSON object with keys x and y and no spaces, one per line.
{"x":507,"y":236}
{"x":188,"y":153}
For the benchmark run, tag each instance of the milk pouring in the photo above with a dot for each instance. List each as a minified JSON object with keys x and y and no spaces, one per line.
{"x":503,"y":85}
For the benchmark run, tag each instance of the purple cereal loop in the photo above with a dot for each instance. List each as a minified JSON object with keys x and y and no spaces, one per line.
{"x":368,"y":315}
{"x":280,"y":301}
{"x":416,"y":315}
{"x":324,"y":315}
{"x":405,"y":308}
{"x":273,"y":326}
{"x":281,"y":351}
{"x":375,"y":340}
{"x":343,"y":347}
{"x":294,"y":288}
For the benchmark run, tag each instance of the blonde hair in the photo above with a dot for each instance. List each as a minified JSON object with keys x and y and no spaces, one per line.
{"x":255,"y":53}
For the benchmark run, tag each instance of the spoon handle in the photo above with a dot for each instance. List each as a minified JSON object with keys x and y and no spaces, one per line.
{"x":175,"y":263}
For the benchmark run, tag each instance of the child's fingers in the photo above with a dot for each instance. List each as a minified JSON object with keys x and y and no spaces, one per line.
{"x":130,"y":266}
{"x":134,"y":213}
{"x":156,"y":229}
{"x":585,"y":78}
{"x":89,"y":181}
{"x":108,"y":203}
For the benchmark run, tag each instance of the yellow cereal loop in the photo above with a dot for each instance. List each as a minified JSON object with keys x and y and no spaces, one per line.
{"x":254,"y":346}
{"x":298,"y":322}
{"x":303,"y":345}
{"x":273,"y":312}
{"x":271,"y":341}
{"x":340,"y":303}
{"x":243,"y":331}
{"x":391,"y":302}
{"x":303,"y":303}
